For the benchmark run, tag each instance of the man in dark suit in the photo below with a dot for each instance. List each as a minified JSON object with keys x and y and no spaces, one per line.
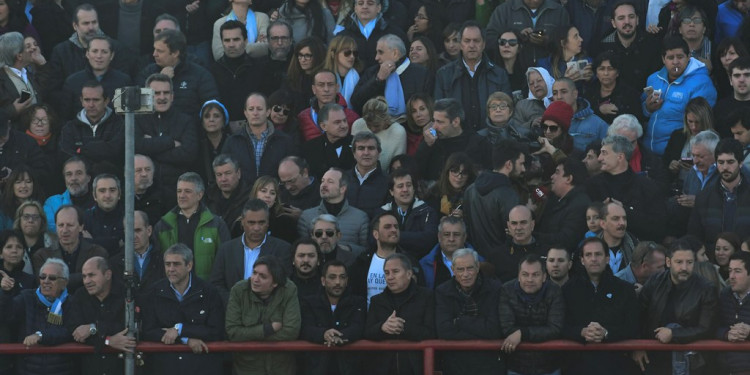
{"x":235,"y":259}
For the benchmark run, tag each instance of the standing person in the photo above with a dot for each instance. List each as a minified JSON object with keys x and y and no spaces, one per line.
{"x":678,"y":307}
{"x":264,"y":307}
{"x":402,"y":304}
{"x":97,"y":318}
{"x":192,"y":310}
{"x":366,"y":26}
{"x":466,"y":309}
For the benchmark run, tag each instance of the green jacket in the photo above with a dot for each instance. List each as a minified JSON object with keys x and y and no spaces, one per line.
{"x":211,"y":232}
{"x":249,"y":318}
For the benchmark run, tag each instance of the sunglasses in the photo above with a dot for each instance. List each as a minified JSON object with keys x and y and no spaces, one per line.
{"x":52,"y":278}
{"x":348,"y":53}
{"x":328,"y":232}
{"x":511,"y":42}
{"x":551,"y":128}
{"x":284,"y":111}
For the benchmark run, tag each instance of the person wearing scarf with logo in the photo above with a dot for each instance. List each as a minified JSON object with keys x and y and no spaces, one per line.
{"x":395,"y":78}
{"x":39,"y":315}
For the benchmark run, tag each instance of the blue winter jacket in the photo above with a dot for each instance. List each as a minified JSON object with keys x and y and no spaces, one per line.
{"x":694,"y":82}
{"x":586,"y":126}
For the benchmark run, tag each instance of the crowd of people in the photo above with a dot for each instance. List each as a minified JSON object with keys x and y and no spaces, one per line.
{"x":332,"y":171}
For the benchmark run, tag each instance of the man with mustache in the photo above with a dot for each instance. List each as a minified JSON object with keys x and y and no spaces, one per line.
{"x":332,"y":317}
{"x":327,"y":233}
{"x":168,"y":136}
{"x":305,"y":260}
{"x":677,"y":308}
{"x":719,"y":207}
{"x":75,"y":172}
{"x":637,"y":49}
{"x":614,"y":223}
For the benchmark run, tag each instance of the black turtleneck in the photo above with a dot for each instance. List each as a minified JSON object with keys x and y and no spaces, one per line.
{"x":334,"y":208}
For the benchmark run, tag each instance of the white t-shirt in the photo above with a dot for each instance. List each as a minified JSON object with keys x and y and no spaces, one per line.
{"x":375,"y":278}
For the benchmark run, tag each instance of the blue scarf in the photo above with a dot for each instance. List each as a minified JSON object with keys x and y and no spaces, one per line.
{"x":366,"y":30}
{"x":394,"y":93}
{"x":350,"y":81}
{"x":250,"y":24}
{"x":55,"y":308}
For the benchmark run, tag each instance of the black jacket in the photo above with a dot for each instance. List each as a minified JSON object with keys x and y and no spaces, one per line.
{"x":109,"y":317}
{"x":563,"y":220}
{"x":236,"y":78}
{"x":641,"y":197}
{"x":487,"y":203}
{"x":614,"y":306}
{"x":414,"y":79}
{"x":368,"y":45}
{"x":106,"y":228}
{"x":453,"y":323}
{"x":707,"y":218}
{"x":29,"y":315}
{"x":111,"y":80}
{"x":694,"y":309}
{"x":317,"y":318}
{"x":22,"y":149}
{"x":732,"y":311}
{"x":164,"y":129}
{"x":418,"y":229}
{"x":321,"y":155}
{"x":229,"y":209}
{"x":192,"y":85}
{"x":154,"y":270}
{"x":156,"y":201}
{"x":358,"y":271}
{"x":416,"y":306}
{"x":369,"y":195}
{"x":539,"y":318}
{"x":240,"y":147}
{"x":202,"y":316}
{"x":229,"y":265}
{"x":308,"y":197}
{"x":431,"y":159}
{"x":107,"y":144}
{"x":642,"y":56}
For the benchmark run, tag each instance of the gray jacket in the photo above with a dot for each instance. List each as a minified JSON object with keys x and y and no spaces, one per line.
{"x":354,"y":225}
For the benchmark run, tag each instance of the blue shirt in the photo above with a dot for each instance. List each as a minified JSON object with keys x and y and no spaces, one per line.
{"x":251,"y":255}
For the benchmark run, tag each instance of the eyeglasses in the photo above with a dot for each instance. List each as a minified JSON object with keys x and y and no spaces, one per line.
{"x":459,"y":172}
{"x":349,"y":52}
{"x":510,"y":42}
{"x":31,"y":217}
{"x":52,"y":278}
{"x":304,"y":56}
{"x":40,"y":121}
{"x":328,"y":232}
{"x":421,"y":17}
{"x":501,"y":106}
{"x":277,"y":39}
{"x":284,"y":111}
{"x":690,"y":21}
{"x":551,"y":128}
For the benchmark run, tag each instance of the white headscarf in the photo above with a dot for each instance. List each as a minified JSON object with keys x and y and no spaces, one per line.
{"x":547,"y":79}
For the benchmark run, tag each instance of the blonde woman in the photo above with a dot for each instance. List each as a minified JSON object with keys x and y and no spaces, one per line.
{"x":391,"y":134}
{"x":342,"y":58}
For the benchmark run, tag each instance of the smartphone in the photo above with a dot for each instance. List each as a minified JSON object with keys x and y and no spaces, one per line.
{"x":433,"y":132}
{"x":657,"y":94}
{"x":539,"y":33}
{"x":582,"y":64}
{"x":25,"y":95}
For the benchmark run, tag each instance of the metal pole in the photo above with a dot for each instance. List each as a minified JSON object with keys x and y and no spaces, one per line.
{"x":129,"y":225}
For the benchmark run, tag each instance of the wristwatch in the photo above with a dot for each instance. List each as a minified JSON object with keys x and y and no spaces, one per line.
{"x":92,"y":329}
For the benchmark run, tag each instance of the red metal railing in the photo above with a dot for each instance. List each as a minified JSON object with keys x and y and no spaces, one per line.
{"x":428,"y":347}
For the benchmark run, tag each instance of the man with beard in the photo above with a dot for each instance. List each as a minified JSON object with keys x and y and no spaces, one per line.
{"x":150,"y":197}
{"x":168,"y":136}
{"x":276,"y":63}
{"x":637,"y":49}
{"x":97,"y":318}
{"x":490,"y":198}
{"x":327,"y":233}
{"x":75,"y":172}
{"x":332,"y":317}
{"x":235,"y":258}
{"x":720,"y":207}
{"x":368,"y":277}
{"x":734,"y":312}
{"x":677,"y":307}
{"x":305,"y":260}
